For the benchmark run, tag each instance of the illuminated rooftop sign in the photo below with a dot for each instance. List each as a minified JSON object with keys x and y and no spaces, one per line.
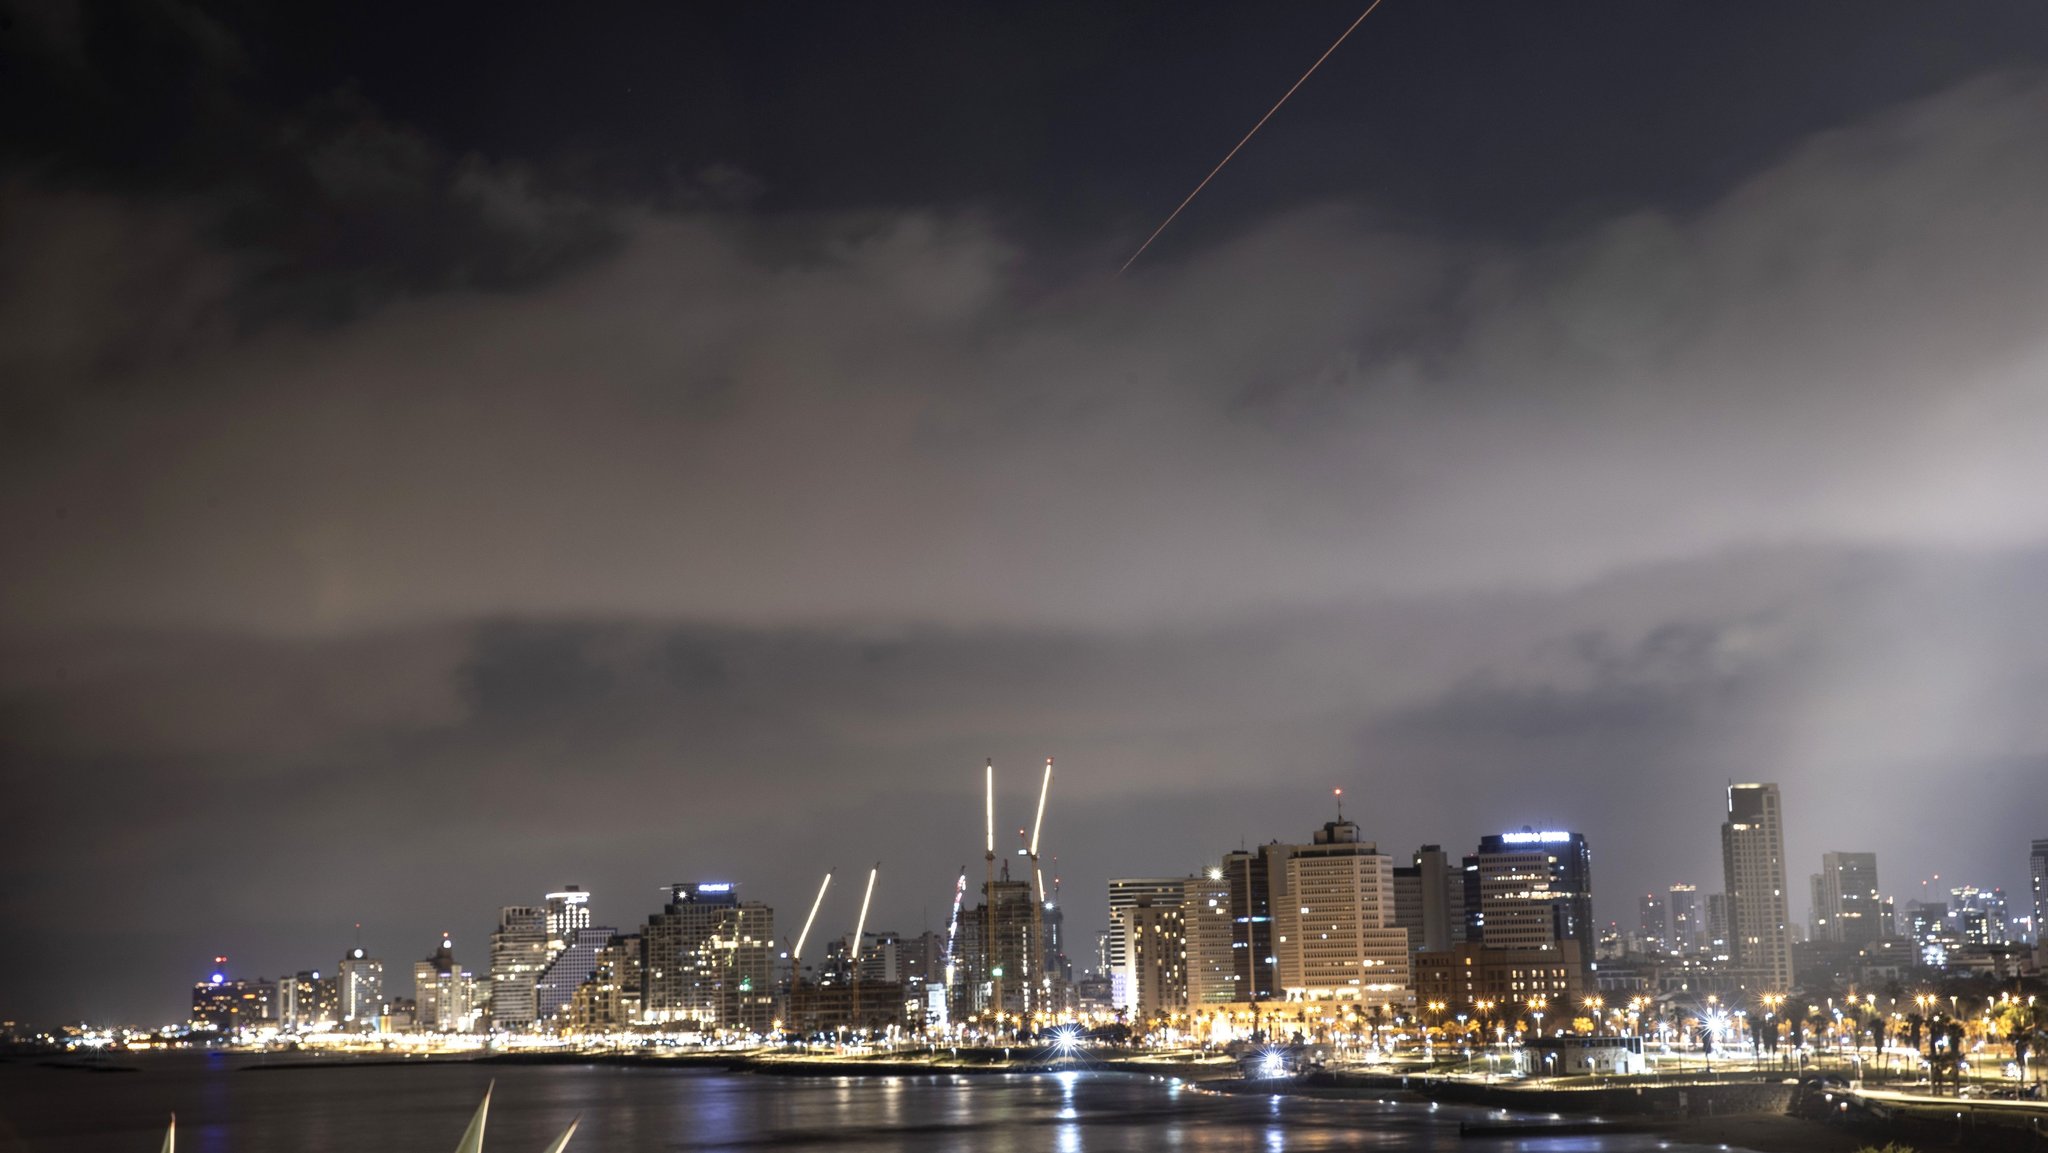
{"x":1548,"y":837}
{"x":715,"y":887}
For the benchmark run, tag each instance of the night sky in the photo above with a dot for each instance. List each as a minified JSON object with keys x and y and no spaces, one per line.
{"x":449,"y":452}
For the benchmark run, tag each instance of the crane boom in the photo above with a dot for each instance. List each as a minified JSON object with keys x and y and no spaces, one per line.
{"x":860,"y":926}
{"x":803,"y":936}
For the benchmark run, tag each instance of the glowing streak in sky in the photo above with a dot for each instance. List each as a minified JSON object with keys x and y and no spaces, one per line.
{"x":1247,"y":137}
{"x":805,"y":935}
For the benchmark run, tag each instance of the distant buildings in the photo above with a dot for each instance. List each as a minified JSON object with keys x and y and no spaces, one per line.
{"x":1653,"y":926}
{"x":308,"y":1002}
{"x":225,"y":1005}
{"x":1753,"y":863}
{"x":1845,"y":901}
{"x":1688,"y":924}
{"x":1125,"y":895}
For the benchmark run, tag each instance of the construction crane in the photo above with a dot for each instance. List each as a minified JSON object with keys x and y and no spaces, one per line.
{"x":796,"y":954}
{"x":860,"y":928}
{"x":1038,"y":893}
{"x":988,"y":920}
{"x":953,"y":925}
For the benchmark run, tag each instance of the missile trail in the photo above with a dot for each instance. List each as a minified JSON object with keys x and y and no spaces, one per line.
{"x":1247,"y":137}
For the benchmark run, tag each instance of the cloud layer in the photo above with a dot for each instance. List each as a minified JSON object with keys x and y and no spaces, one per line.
{"x":621,"y":542}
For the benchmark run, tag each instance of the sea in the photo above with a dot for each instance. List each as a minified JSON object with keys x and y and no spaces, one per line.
{"x":229,"y":1103}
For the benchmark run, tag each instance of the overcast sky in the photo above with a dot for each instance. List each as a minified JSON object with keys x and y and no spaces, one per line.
{"x":447,"y":455}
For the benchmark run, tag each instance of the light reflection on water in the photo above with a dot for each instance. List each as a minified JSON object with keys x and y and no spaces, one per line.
{"x":395,"y":1109}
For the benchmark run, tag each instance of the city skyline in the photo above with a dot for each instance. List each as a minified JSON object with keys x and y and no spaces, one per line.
{"x":1510,"y":853}
{"x":663,"y":445}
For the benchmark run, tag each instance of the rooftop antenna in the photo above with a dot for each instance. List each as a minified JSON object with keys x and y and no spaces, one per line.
{"x":1340,"y":804}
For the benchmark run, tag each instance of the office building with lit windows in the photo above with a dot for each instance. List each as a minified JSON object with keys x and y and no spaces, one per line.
{"x":1753,"y":865}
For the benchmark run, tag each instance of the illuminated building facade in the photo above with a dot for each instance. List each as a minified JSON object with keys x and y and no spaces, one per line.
{"x":359,"y":980}
{"x":710,"y":960}
{"x":1206,"y":922}
{"x":1155,"y":946}
{"x":1504,"y":981}
{"x":444,"y":996}
{"x":567,"y":911}
{"x":1845,"y":902}
{"x":611,"y":999}
{"x":1530,"y":889}
{"x":572,"y":965}
{"x":1753,"y":863}
{"x":308,"y":1002}
{"x":1125,"y":894}
{"x":1335,"y":936}
{"x":519,"y":951}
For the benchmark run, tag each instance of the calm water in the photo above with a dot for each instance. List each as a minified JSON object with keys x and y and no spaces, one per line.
{"x":422,"y":1109}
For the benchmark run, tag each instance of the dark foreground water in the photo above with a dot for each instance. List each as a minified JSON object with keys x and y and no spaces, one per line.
{"x":222,"y":1105}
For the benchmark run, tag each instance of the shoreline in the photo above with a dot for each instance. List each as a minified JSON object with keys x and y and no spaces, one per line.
{"x":1762,"y":1116}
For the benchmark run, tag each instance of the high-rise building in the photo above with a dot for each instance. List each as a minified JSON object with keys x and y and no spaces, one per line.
{"x":1688,"y":925}
{"x":999,"y":954}
{"x":1255,"y":967}
{"x":1335,"y":936}
{"x":571,"y":965}
{"x":1206,"y":922}
{"x":611,"y":999}
{"x":231,"y":1005}
{"x":1717,"y":926}
{"x":1845,"y":899}
{"x":710,"y":960}
{"x":1155,"y":959}
{"x":1429,"y":899}
{"x":359,"y":980}
{"x":444,"y":996}
{"x":1529,"y":890}
{"x":567,"y":911}
{"x":2037,"y":869}
{"x":308,"y":1002}
{"x":519,"y":951}
{"x":1979,"y":915}
{"x":1653,"y":927}
{"x":1125,"y":894}
{"x":1753,"y":863}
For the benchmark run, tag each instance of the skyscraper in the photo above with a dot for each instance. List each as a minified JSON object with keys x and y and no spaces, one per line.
{"x":1125,"y":894}
{"x":571,"y":965}
{"x":1753,"y":862}
{"x":444,"y":997}
{"x":519,"y":950}
{"x":1205,"y":919}
{"x":1155,"y":944}
{"x":1529,"y":890}
{"x":1652,"y":925}
{"x":2037,"y":868}
{"x":360,"y":982}
{"x":1688,"y":926}
{"x":1429,"y":899}
{"x":568,"y":911}
{"x":1334,"y":931}
{"x":1845,"y":900}
{"x":709,"y":960}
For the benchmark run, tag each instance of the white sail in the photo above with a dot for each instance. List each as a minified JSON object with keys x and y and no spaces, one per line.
{"x":171,"y":1136}
{"x":562,"y":1142}
{"x":473,"y":1137}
